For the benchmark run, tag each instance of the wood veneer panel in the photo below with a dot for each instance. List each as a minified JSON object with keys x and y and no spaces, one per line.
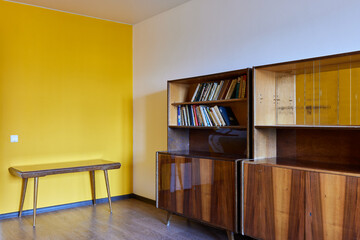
{"x":213,"y":198}
{"x":264,"y":97}
{"x":314,"y":218}
{"x":174,"y":183}
{"x":274,"y":202}
{"x":351,"y":220}
{"x":323,"y":146}
{"x":258,"y":206}
{"x":229,"y":141}
{"x":334,"y":204}
{"x":265,"y":143}
{"x":296,"y":227}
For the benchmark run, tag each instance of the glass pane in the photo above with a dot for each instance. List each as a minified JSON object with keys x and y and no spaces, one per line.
{"x":328,"y":95}
{"x":300,"y":97}
{"x":309,"y":88}
{"x":344,"y":94}
{"x":355,"y":93}
{"x":285,"y":89}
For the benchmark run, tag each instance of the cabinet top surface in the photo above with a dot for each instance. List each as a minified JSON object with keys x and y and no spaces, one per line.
{"x":208,"y":155}
{"x":211,"y":77}
{"x":318,"y":62}
{"x":310,"y":165}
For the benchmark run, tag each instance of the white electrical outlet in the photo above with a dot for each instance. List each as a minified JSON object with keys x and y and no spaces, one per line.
{"x":14,"y":138}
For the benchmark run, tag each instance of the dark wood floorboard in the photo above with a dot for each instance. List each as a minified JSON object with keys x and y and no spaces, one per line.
{"x":131,"y":219}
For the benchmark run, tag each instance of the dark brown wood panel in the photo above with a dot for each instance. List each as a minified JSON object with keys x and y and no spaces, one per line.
{"x":228,"y":141}
{"x":274,"y":202}
{"x":314,"y":218}
{"x":259,"y":221}
{"x":174,"y":183}
{"x":296,"y":224}
{"x":333,"y":207}
{"x":319,"y":145}
{"x":202,"y":189}
{"x":351,"y":220}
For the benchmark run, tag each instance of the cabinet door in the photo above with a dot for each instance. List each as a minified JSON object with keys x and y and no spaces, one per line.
{"x":332,"y":206}
{"x":174,"y":183}
{"x":274,"y":202}
{"x":214,"y":192}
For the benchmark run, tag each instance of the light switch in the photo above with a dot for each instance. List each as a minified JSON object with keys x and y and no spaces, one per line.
{"x":14,"y":138}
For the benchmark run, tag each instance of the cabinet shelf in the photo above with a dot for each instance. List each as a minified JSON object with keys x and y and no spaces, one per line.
{"x":203,"y":127}
{"x":210,"y":102}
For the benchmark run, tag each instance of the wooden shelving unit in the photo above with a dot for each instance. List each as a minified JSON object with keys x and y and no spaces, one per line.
{"x":198,"y":176}
{"x":306,"y":169}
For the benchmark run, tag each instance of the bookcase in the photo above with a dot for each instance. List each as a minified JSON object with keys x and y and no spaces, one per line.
{"x":198,"y":177}
{"x":304,"y":182}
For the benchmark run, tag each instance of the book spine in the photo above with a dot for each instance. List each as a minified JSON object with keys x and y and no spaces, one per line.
{"x":185,"y":117}
{"x":207,"y":112}
{"x":196,"y":122}
{"x":203,"y":115}
{"x":191,"y":118}
{"x":211,"y":96}
{"x":224,"y":115}
{"x":215,"y":117}
{"x":218,"y":89}
{"x":244,"y":87}
{"x":195,"y":93}
{"x":217,"y":111}
{"x":179,"y":115}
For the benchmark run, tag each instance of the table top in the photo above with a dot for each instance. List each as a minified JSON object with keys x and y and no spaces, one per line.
{"x":41,"y":170}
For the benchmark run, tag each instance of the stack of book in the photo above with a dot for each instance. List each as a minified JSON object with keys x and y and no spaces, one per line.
{"x":225,"y":89}
{"x":201,"y":115}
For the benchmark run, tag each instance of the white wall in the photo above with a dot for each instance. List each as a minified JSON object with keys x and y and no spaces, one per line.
{"x":208,"y":36}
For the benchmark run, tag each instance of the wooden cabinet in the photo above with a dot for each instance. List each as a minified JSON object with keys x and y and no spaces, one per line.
{"x":198,"y":176}
{"x":199,"y":188}
{"x":290,"y":203}
{"x":303,"y":183}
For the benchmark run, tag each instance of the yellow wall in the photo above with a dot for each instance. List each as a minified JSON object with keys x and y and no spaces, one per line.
{"x":66,"y":90}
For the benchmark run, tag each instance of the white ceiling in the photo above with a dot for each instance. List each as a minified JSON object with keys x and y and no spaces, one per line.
{"x":124,"y":11}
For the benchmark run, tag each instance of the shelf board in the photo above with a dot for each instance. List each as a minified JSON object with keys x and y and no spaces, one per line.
{"x":202,"y":127}
{"x":309,"y":127}
{"x":210,"y":102}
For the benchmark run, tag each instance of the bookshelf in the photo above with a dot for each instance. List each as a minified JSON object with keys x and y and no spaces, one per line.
{"x":306,"y":169}
{"x":198,"y":177}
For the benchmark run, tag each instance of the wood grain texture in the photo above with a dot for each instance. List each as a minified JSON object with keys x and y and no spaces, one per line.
{"x":333,"y":201}
{"x":319,"y":145}
{"x":41,"y":170}
{"x":201,"y":189}
{"x":264,"y":99}
{"x":258,"y":206}
{"x":226,"y":141}
{"x":273,"y":202}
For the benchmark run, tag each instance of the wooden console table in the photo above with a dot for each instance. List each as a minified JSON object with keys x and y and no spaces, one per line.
{"x":42,"y":170}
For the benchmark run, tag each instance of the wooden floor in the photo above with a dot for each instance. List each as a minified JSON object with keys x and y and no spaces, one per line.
{"x":131,"y":219}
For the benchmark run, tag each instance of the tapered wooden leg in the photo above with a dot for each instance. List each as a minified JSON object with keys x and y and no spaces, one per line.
{"x":108,"y":188}
{"x":36,"y":184}
{"x":92,"y":179}
{"x":168,"y":217}
{"x":230,"y":235}
{"x":23,"y":192}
